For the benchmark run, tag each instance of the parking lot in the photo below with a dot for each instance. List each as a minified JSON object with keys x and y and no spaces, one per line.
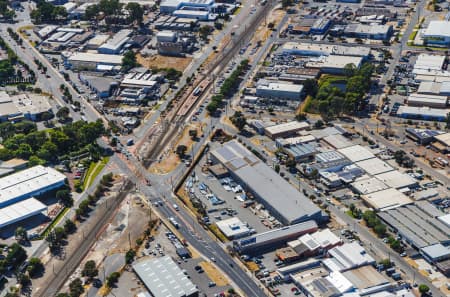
{"x":164,"y":244}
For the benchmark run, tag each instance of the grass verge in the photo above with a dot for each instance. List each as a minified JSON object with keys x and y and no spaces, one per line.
{"x":93,"y":171}
{"x":55,"y":221}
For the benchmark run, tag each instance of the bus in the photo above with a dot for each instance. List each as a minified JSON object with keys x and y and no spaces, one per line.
{"x":174,"y":222}
{"x":197,"y":91}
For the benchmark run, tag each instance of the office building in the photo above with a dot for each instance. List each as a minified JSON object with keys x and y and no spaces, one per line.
{"x":437,"y":33}
{"x":276,"y":90}
{"x":285,"y":130}
{"x":373,"y":31}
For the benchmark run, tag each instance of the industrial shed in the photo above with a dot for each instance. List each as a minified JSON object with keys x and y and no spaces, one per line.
{"x":20,"y":211}
{"x":164,"y":278}
{"x":276,"y":194}
{"x":386,"y":199}
{"x":374,"y":166}
{"x":357,"y":153}
{"x":397,"y":180}
{"x":416,"y":226}
{"x":27,"y":183}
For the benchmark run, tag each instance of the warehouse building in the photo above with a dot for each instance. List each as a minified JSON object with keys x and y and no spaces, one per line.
{"x":434,"y":101}
{"x":422,"y":136}
{"x":92,"y":61}
{"x":277,"y":90}
{"x":397,"y":180}
{"x":96,"y":41}
{"x":334,"y":64}
{"x":348,"y":256}
{"x":115,"y":45}
{"x":357,"y":153}
{"x":315,"y":243}
{"x":373,"y":31}
{"x":285,"y":130}
{"x":434,"y":88}
{"x":273,"y":238}
{"x":27,"y":183}
{"x":386,"y":199}
{"x":277,"y":195}
{"x":435,"y":253}
{"x":417,"y":225}
{"x":331,"y":161}
{"x":442,"y":143}
{"x":317,"y":50}
{"x":337,"y":141}
{"x":367,"y":186}
{"x":425,"y":113}
{"x":437,"y":33}
{"x":23,"y":106}
{"x":20,"y":211}
{"x":170,"y":6}
{"x":233,"y":228}
{"x":301,"y":151}
{"x":374,"y":166}
{"x":163,"y":278}
{"x":429,"y":62}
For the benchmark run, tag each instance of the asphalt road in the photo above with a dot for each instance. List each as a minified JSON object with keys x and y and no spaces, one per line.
{"x":190,"y":229}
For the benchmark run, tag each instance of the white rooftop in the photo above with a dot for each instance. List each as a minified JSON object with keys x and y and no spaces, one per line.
{"x":429,"y":62}
{"x":20,"y":211}
{"x":386,"y":199}
{"x":396,"y":179}
{"x":334,"y":62}
{"x":374,"y":166}
{"x":285,"y":127}
{"x":370,"y":185}
{"x":96,"y":58}
{"x":438,"y":28}
{"x":233,"y":227}
{"x":350,"y":255}
{"x":445,"y":219}
{"x":357,"y":153}
{"x":24,"y":184}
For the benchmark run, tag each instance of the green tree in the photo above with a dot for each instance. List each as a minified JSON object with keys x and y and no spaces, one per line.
{"x":286,"y":3}
{"x":205,"y":31}
{"x":63,"y":113}
{"x":35,"y":160}
{"x":319,"y":124}
{"x":90,"y":269}
{"x":277,"y":168}
{"x":35,"y":267}
{"x":112,"y":279}
{"x":129,"y":256}
{"x":21,"y":234}
{"x":64,"y":197}
{"x":423,"y":289}
{"x":16,"y":255}
{"x":349,"y":70}
{"x":129,"y":60}
{"x":238,"y":120}
{"x":76,"y":288}
{"x":380,"y":229}
{"x":135,"y":11}
{"x":69,"y":226}
{"x":310,"y":87}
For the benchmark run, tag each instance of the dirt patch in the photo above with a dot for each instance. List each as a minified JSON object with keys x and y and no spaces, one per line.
{"x":252,"y":266}
{"x":214,"y":274}
{"x":158,"y":61}
{"x":170,"y":159}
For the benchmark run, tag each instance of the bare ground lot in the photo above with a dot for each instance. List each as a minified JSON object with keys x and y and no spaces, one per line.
{"x":158,"y":61}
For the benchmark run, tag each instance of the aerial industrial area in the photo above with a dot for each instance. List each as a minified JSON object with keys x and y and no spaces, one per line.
{"x":182,"y":148}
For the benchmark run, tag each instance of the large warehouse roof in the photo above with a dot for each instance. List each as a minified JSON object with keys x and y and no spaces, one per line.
{"x":164,"y":278}
{"x":27,"y":183}
{"x":386,"y":199}
{"x":357,"y":153}
{"x":96,"y":58}
{"x":396,"y":179}
{"x":438,"y":28}
{"x":290,"y":205}
{"x":20,"y":211}
{"x":417,"y":226}
{"x":350,"y":255}
{"x":374,"y":166}
{"x":369,"y":185}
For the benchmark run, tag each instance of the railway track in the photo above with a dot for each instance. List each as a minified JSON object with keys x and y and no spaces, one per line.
{"x":176,"y":118}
